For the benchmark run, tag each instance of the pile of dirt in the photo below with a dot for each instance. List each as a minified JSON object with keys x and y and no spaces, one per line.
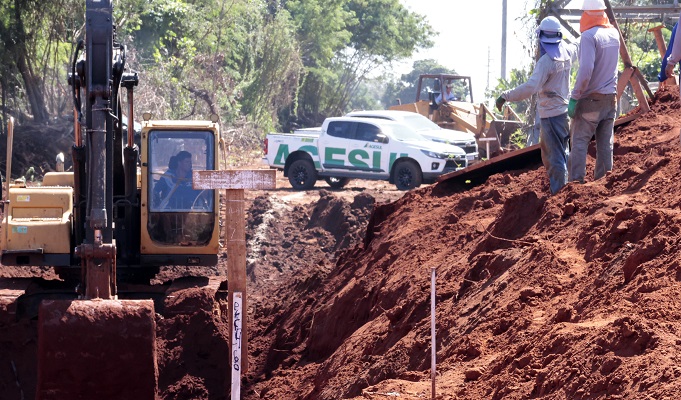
{"x":566,"y":296}
{"x":192,"y":326}
{"x":283,"y":238}
{"x":35,"y":148}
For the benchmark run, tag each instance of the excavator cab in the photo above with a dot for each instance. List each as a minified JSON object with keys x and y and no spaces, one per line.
{"x":179,"y":223}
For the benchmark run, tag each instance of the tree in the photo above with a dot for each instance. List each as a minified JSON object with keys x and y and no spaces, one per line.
{"x":370,"y":34}
{"x":274,"y":82}
{"x":31,"y":39}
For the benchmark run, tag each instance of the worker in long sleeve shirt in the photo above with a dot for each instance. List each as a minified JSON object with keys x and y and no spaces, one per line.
{"x":593,"y":102}
{"x":675,"y":54}
{"x":551,"y":80}
{"x":449,"y":96}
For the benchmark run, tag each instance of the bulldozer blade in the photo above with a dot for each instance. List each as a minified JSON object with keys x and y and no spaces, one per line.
{"x":97,"y":349}
{"x":479,"y":172}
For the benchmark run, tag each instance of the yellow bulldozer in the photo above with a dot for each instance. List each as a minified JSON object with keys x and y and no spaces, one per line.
{"x":448,"y":101}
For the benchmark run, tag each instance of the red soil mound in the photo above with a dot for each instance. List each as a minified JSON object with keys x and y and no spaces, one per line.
{"x":566,"y":296}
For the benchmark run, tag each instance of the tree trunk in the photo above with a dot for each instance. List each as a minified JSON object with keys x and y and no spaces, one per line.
{"x":33,"y":90}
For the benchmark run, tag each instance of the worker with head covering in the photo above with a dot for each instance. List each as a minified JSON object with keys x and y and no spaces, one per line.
{"x":551,"y":80}
{"x":593,"y":101}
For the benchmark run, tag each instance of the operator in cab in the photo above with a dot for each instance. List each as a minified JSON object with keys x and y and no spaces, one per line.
{"x":448,"y":95}
{"x":174,"y":190}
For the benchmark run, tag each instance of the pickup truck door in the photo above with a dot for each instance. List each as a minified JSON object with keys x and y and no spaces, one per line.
{"x":354,"y":147}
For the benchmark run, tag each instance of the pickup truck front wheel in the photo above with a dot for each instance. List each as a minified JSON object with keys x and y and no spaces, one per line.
{"x":336,"y":183}
{"x":407,"y":175}
{"x":302,"y":175}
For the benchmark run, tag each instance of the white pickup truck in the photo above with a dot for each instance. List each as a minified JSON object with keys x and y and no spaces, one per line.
{"x":363,"y":148}
{"x":427,"y":128}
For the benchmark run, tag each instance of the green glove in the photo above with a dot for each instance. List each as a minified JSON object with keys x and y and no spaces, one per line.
{"x":572,"y":107}
{"x":500,"y":102}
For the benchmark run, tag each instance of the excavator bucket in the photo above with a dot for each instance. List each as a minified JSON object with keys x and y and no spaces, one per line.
{"x":97,"y":349}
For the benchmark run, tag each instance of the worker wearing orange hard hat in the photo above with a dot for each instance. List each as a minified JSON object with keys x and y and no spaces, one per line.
{"x":594,"y":95}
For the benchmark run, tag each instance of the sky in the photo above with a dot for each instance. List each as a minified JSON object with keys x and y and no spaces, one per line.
{"x":470,"y":38}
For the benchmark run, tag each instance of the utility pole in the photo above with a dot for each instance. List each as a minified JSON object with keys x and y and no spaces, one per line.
{"x":504,"y":11}
{"x":489,"y":60}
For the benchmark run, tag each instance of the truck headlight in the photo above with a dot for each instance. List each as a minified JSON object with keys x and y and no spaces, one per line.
{"x":434,"y":154}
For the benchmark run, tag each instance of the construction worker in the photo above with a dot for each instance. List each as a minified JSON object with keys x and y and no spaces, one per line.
{"x":551,"y":80}
{"x":593,"y":100}
{"x":665,"y":72}
{"x":449,"y":96}
{"x":673,"y":54}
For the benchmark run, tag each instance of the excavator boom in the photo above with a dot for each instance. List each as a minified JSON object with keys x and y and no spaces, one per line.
{"x":127,"y":208}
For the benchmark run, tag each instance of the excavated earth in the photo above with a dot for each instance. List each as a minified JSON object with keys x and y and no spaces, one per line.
{"x":571,"y":296}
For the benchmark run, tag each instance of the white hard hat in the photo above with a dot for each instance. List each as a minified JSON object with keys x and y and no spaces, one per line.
{"x":550,"y":30}
{"x":593,"y":5}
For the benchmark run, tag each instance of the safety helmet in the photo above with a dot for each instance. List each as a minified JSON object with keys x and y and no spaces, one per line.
{"x":550,"y":30}
{"x":593,"y":5}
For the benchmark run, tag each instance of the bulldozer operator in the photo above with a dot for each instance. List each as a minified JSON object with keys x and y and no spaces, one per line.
{"x":448,"y":95}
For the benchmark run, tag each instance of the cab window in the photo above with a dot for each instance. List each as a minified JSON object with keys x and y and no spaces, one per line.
{"x":179,"y":214}
{"x":367,"y":132}
{"x":340,"y":129}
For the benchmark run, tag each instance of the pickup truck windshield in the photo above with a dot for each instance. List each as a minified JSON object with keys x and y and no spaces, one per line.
{"x":418,"y":122}
{"x":404,"y":134}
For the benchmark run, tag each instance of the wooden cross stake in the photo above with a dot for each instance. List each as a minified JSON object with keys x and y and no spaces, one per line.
{"x":235,"y":182}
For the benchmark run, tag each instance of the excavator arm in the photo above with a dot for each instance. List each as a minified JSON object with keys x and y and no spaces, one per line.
{"x":102,"y":229}
{"x":113,"y":353}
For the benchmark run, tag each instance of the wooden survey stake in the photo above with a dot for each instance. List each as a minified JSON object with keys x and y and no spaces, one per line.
{"x":235,"y":182}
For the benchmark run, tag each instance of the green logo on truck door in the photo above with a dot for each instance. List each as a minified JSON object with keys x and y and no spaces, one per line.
{"x":336,"y":157}
{"x":283,"y":153}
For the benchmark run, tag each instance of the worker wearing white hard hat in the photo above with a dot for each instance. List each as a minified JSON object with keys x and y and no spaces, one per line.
{"x":550,"y":79}
{"x":593,"y":99}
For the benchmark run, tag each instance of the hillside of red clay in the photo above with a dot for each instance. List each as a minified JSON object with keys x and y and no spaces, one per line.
{"x":568,"y":296}
{"x":571,"y":296}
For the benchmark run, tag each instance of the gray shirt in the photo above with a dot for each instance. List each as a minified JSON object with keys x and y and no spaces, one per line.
{"x":598,"y":55}
{"x":551,"y":80}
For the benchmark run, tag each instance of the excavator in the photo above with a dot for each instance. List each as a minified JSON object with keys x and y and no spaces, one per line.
{"x":122,"y":212}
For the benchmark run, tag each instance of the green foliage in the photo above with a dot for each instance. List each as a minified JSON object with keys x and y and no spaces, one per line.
{"x":275,"y":80}
{"x":272,"y":62}
{"x":643,"y":48}
{"x":376,"y":33}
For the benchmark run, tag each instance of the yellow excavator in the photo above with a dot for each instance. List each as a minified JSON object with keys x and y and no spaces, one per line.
{"x":122,"y":212}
